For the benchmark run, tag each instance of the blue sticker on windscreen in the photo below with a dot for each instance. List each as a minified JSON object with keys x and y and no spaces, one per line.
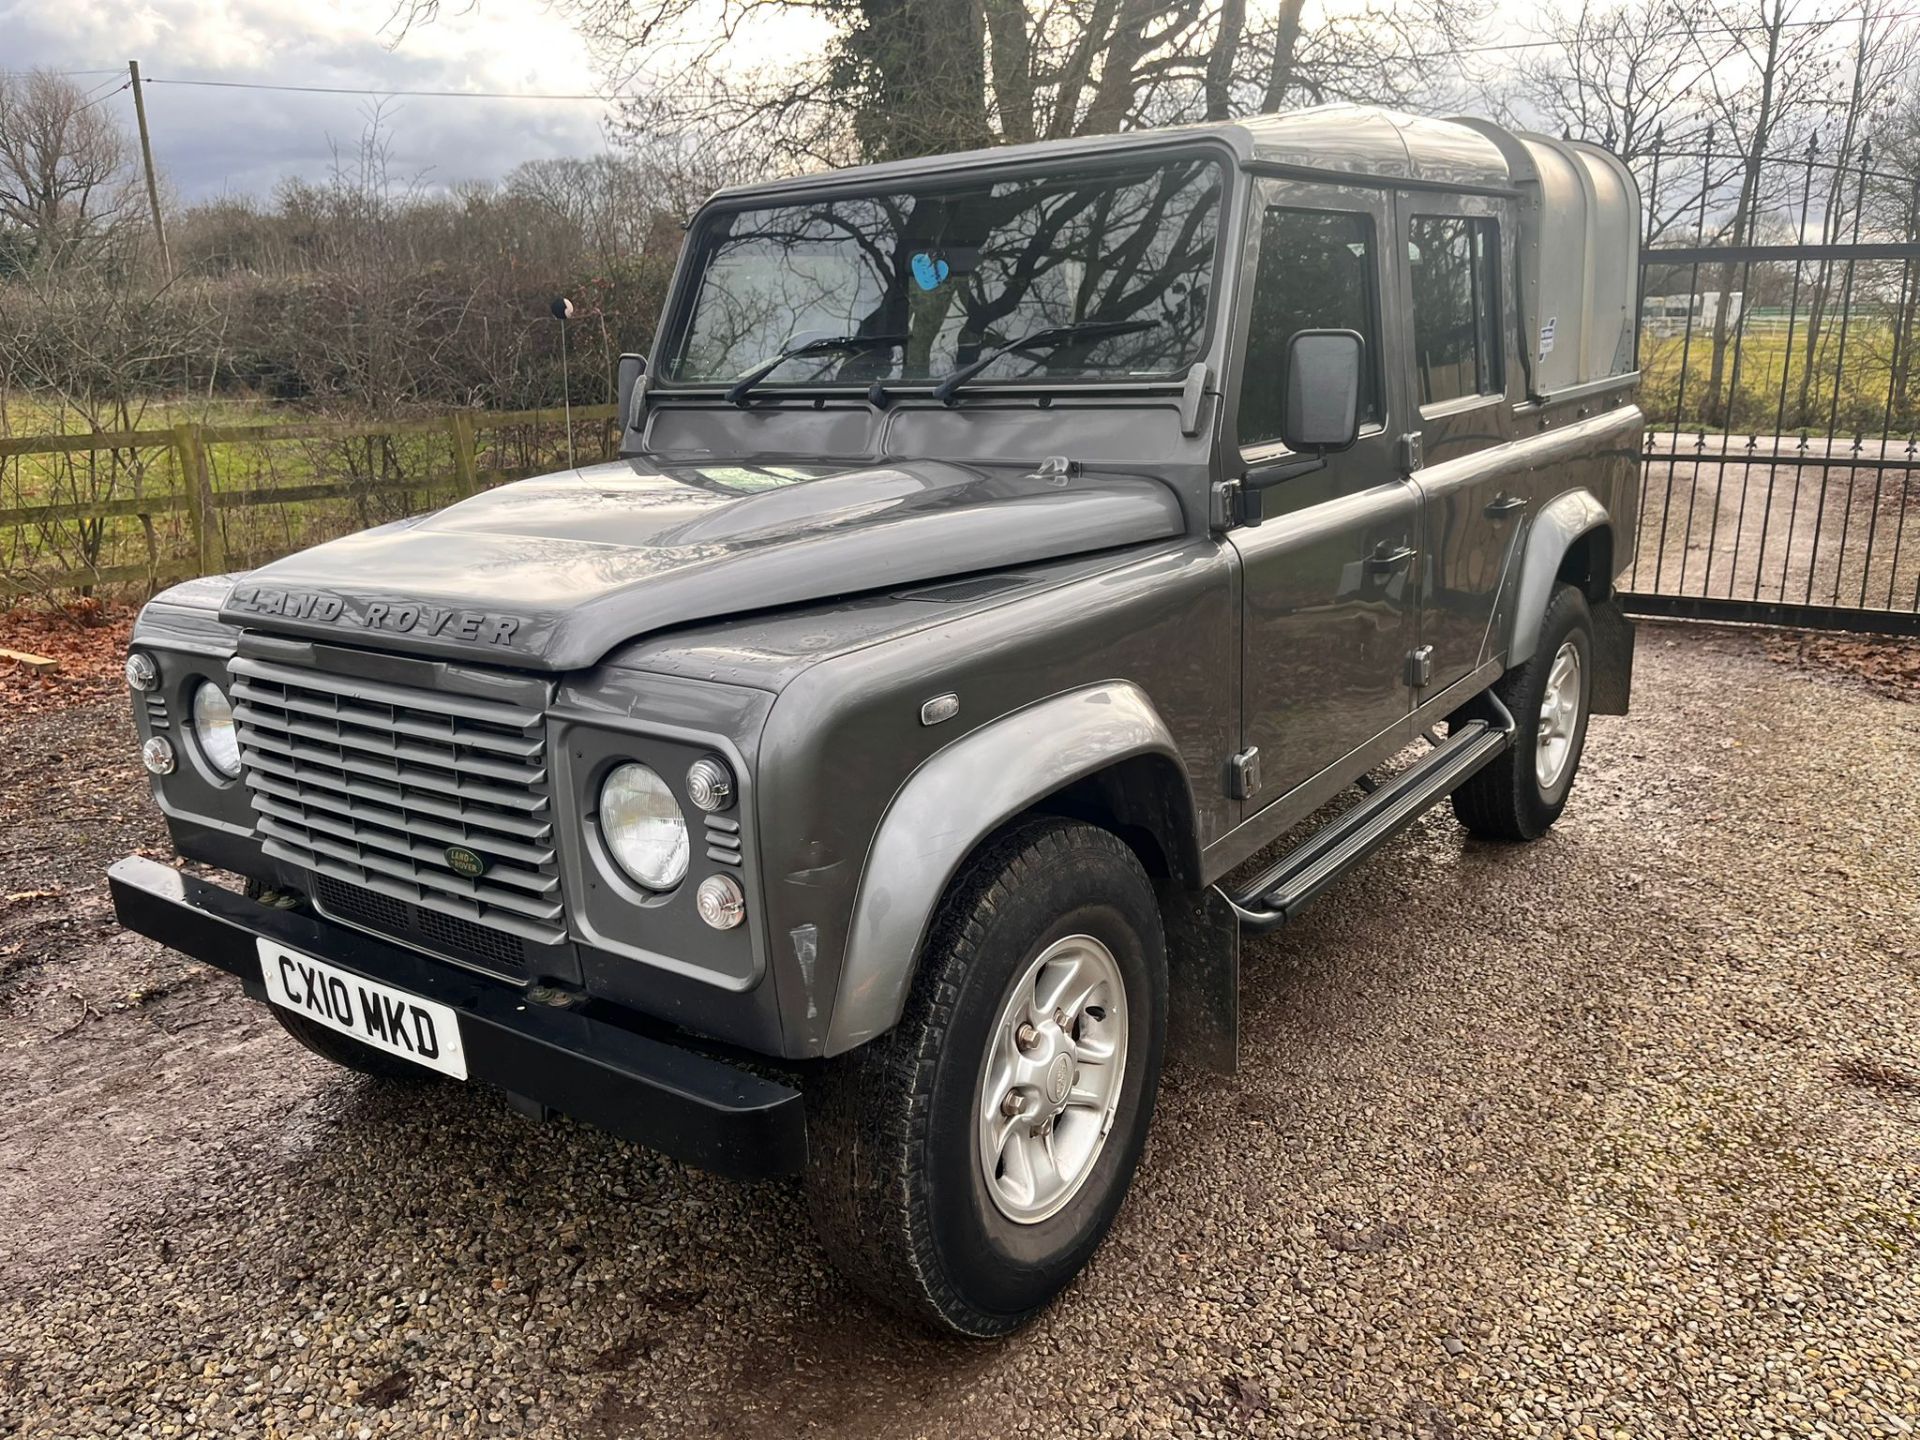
{"x":927,"y":271}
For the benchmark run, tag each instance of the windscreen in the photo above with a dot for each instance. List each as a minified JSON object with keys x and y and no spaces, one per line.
{"x":922,"y":281}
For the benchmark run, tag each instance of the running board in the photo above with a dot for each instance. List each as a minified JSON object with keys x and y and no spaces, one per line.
{"x":1279,"y":892}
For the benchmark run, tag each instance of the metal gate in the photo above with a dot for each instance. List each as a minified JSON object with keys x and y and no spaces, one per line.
{"x":1781,"y":480}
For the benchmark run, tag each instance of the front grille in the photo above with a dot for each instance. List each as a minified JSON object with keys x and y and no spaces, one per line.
{"x":370,"y":783}
{"x":447,"y":935}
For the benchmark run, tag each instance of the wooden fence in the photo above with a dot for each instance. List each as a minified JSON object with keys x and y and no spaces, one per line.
{"x":74,"y":509}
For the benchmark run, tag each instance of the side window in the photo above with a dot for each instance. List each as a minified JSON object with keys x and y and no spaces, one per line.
{"x":1456,"y":307}
{"x":1316,"y":273}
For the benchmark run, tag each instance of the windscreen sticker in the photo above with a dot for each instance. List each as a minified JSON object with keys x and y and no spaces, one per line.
{"x":928,"y":270}
{"x":752,"y":477}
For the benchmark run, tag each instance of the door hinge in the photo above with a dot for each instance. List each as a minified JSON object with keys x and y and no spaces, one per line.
{"x":1224,"y":511}
{"x":1243,"y":774}
{"x":1409,"y":452}
{"x":1420,"y":667}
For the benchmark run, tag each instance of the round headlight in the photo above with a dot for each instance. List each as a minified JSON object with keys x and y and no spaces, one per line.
{"x":213,"y":728}
{"x":157,"y":755}
{"x":710,"y":784}
{"x":643,"y":827}
{"x":142,"y":673}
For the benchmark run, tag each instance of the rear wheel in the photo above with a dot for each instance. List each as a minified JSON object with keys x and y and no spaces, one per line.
{"x":964,"y":1167}
{"x":1524,"y":790}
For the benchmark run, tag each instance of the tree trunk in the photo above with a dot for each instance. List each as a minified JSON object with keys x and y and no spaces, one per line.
{"x":927,"y":64}
{"x":1114,"y":95}
{"x":1011,"y":47}
{"x":1073,"y":76}
{"x":1226,"y":44}
{"x":1286,"y":47}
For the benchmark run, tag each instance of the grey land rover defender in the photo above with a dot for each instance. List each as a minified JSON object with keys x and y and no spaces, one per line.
{"x":859,"y":779}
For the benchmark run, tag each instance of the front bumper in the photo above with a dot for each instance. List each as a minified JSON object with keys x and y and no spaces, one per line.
{"x":666,"y":1096}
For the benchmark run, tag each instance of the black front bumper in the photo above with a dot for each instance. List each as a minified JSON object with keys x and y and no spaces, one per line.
{"x":673,"y":1099}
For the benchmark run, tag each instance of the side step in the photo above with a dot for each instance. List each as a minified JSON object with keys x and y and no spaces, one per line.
{"x":1279,"y":892}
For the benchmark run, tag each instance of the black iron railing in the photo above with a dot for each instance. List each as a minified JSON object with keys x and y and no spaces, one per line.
{"x":1782,"y":467}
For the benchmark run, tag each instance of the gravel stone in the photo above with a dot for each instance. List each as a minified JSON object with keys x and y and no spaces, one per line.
{"x":1627,"y":1121}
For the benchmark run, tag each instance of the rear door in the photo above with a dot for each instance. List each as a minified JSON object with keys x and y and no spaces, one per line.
{"x":1453,"y":255}
{"x":1328,"y":574}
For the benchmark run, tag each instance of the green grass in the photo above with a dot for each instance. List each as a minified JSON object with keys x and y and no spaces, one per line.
{"x":386,"y":475}
{"x":1852,"y":393}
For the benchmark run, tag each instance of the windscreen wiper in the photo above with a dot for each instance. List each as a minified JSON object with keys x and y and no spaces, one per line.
{"x":1052,"y":335}
{"x":830,"y":345}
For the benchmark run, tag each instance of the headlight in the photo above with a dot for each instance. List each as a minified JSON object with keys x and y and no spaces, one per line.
{"x":213,"y":727}
{"x":643,"y":826}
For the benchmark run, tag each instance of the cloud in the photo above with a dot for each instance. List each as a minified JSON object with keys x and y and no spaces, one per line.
{"x":213,"y":141}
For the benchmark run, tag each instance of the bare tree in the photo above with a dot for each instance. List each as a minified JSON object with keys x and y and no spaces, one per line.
{"x":1893,"y":198}
{"x":65,"y":181}
{"x":1879,"y":61}
{"x":906,"y":77}
{"x":1629,"y":76}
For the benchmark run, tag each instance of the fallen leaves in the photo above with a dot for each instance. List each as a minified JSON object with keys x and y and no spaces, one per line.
{"x":89,"y":640}
{"x":1886,"y":665}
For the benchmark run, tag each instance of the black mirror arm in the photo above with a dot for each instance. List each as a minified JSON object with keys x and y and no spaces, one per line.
{"x":1272,"y":475}
{"x":1249,"y":495}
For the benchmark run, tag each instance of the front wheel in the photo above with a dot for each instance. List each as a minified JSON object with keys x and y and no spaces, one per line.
{"x":964,"y":1167}
{"x":1524,"y":790}
{"x":331,"y":1045}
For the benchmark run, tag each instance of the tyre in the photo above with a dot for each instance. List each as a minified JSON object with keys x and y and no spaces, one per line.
{"x":330,"y":1044}
{"x":1524,"y":790}
{"x":346,"y":1051}
{"x":963,"y":1167}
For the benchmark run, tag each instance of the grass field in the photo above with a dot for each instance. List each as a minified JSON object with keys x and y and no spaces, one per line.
{"x":1861,"y":402}
{"x":309,"y":479}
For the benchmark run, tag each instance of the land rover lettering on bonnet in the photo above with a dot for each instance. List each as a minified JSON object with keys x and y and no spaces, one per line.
{"x":398,"y":616}
{"x":869,"y":775}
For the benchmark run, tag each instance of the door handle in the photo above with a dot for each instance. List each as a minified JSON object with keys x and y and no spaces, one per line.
{"x":1504,"y":505}
{"x":1382,"y":560}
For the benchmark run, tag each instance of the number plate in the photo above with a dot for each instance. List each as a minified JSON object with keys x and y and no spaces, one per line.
{"x":423,"y":1031}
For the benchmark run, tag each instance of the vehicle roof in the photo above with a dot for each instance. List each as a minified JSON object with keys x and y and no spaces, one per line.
{"x":1357,"y":140}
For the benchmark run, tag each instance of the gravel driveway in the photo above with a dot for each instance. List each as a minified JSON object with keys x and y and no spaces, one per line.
{"x":1616,"y":1134}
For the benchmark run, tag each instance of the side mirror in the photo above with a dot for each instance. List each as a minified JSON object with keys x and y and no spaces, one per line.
{"x":626,"y":383}
{"x":1322,"y":412}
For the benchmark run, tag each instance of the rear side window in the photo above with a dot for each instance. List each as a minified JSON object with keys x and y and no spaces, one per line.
{"x":1456,"y":329}
{"x":1316,"y":273}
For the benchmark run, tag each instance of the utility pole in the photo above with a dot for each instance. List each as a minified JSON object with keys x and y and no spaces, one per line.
{"x":146,"y":154}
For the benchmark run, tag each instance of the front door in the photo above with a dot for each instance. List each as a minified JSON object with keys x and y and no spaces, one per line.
{"x":1452,"y":254}
{"x":1330,"y":574}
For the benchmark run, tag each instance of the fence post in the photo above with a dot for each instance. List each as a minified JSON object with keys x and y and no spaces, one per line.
{"x":190,"y":453}
{"x":460,"y":432}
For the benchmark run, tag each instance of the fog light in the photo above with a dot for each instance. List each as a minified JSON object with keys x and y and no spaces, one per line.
{"x":722,"y":905}
{"x":142,"y":673}
{"x":710,"y":784}
{"x":157,"y":756}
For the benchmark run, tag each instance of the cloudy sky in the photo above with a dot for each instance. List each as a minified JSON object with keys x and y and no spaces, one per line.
{"x":209,"y":141}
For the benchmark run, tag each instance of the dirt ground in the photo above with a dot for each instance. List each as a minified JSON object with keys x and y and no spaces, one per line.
{"x":1616,"y":1134}
{"x":1752,"y":518}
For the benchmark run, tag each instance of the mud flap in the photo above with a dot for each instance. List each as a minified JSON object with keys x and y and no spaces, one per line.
{"x":1203,"y":975}
{"x":1612,"y":658}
